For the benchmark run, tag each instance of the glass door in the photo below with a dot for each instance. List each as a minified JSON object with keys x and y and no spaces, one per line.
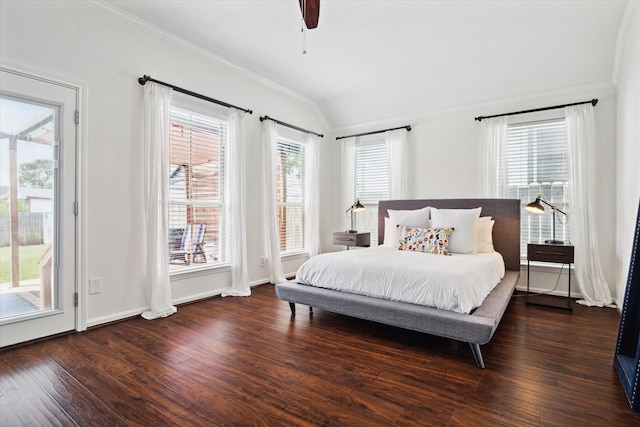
{"x":37,"y":218}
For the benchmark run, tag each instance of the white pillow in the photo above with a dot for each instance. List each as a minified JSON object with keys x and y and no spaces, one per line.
{"x":463,"y":221}
{"x":389,"y":231}
{"x":484,"y":234}
{"x":411,"y":218}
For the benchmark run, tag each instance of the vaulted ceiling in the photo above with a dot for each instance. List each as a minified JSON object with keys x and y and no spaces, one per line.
{"x":374,"y":61}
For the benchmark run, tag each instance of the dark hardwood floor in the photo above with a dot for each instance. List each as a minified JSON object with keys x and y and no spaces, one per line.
{"x":247,"y":361}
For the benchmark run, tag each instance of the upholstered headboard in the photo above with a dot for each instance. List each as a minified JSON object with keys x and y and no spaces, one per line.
{"x":506,"y":213}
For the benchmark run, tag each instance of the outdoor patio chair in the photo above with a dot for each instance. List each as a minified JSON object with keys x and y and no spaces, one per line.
{"x":191,"y":245}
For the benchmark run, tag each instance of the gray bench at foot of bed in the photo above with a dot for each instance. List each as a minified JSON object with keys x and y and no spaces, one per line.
{"x":476,"y":328}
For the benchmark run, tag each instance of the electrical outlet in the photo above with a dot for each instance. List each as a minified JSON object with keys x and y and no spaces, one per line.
{"x":94,"y":286}
{"x":263,"y":261}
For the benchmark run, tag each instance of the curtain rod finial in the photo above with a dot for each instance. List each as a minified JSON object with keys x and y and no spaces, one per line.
{"x":142,"y":80}
{"x":594,"y":101}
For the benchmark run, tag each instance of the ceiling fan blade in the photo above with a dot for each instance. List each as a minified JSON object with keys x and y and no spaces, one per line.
{"x":310,"y":12}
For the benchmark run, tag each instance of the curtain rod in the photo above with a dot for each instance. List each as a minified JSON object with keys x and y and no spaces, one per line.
{"x":407,"y":127}
{"x":144,"y":79}
{"x":263,"y":118}
{"x":593,"y":102}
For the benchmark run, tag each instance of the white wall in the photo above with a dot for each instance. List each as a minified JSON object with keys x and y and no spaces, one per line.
{"x":628,"y":145}
{"x":85,"y":43}
{"x":445,"y":148}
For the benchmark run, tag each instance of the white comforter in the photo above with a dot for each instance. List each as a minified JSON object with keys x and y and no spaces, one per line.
{"x":458,"y":283}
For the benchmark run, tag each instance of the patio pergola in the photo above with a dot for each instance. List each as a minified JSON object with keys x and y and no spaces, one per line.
{"x":195,"y":155}
{"x":22,"y":132}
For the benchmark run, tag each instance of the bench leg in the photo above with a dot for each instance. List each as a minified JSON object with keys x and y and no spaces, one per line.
{"x":477,"y":355}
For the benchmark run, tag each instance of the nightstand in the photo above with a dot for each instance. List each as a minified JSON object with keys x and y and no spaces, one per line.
{"x":351,"y":239}
{"x":550,"y":252}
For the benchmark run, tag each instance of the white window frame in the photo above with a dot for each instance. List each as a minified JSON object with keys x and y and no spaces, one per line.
{"x":367,"y":221}
{"x":301,"y":204}
{"x":219,"y":115}
{"x":537,"y":228}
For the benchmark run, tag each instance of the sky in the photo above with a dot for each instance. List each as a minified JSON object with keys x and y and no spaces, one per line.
{"x":15,"y":116}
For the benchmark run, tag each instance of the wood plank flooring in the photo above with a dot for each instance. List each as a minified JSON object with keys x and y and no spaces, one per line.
{"x":247,"y":361}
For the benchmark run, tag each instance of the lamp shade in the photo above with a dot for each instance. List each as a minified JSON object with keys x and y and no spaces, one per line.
{"x":535,"y":206}
{"x":357,"y":206}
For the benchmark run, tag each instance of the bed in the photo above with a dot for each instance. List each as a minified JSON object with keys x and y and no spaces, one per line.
{"x":475,"y":328}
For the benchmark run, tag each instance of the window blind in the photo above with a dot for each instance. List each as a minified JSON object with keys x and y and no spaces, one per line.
{"x":197,"y":185}
{"x":371,"y":184}
{"x":290,"y":195}
{"x":537,"y":162}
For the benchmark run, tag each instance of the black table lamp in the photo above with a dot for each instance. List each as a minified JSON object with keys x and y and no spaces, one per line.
{"x":536,"y":207}
{"x":356,"y":207}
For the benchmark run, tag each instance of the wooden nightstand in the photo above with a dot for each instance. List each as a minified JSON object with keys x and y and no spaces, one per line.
{"x":351,"y":239}
{"x":549,"y":252}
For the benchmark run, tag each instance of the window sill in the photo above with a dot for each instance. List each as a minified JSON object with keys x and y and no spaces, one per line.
{"x":294,"y":255}
{"x":200,"y":270}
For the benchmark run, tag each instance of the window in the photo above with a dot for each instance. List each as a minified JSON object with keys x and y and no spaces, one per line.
{"x":371,"y":184}
{"x":197,"y":217}
{"x":537,"y":162}
{"x":290,"y":195}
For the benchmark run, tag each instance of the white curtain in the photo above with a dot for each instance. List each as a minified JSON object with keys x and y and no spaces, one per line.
{"x":236,"y":189}
{"x":312,"y":195}
{"x":157,"y":105}
{"x":494,"y":142}
{"x":581,"y":137}
{"x":397,"y":149}
{"x":272,"y":237}
{"x":347,"y":148}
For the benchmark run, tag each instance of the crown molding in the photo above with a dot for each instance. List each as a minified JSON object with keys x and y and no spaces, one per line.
{"x":527,"y":100}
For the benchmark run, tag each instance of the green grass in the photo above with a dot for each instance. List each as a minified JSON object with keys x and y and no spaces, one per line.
{"x":29,"y":268}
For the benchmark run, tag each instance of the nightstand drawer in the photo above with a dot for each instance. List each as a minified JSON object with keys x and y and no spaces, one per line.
{"x":351,"y":239}
{"x":550,"y":253}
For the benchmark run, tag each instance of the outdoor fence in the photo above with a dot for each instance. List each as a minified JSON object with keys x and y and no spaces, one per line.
{"x":32,"y":228}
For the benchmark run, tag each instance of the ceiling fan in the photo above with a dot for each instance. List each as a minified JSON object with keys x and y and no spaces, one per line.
{"x":310,"y":12}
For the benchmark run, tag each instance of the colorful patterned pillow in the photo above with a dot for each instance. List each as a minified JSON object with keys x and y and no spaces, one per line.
{"x":430,"y":240}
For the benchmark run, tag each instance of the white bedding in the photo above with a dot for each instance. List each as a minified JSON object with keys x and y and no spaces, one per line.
{"x":457,"y":282}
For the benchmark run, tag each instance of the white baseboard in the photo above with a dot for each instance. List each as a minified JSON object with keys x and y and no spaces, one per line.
{"x":115,"y":317}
